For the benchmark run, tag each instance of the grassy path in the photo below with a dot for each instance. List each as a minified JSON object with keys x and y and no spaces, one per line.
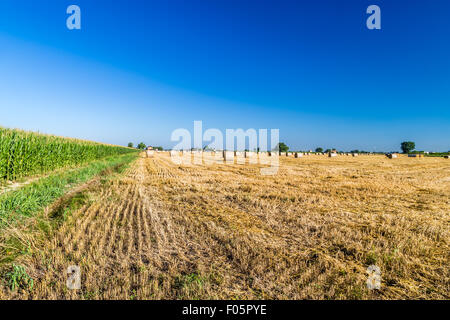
{"x":23,"y":209}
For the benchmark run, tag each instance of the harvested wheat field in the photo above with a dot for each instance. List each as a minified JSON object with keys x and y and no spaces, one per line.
{"x":166,"y":231}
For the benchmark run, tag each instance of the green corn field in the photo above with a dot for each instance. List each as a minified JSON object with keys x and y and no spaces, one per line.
{"x":24,"y":153}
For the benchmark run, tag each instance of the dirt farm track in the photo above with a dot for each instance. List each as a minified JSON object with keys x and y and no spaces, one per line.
{"x":165,"y":231}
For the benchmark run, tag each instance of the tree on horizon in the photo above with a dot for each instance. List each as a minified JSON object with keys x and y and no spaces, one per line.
{"x":408,"y":146}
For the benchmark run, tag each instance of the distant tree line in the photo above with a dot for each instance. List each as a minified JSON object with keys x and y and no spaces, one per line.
{"x":406,"y":147}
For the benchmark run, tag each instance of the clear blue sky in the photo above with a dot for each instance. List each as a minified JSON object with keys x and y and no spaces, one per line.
{"x":137,"y":70}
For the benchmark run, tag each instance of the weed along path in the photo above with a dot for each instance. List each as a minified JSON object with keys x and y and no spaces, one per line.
{"x":164,"y":231}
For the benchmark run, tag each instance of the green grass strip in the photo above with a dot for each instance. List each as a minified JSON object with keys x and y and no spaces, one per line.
{"x":32,"y":198}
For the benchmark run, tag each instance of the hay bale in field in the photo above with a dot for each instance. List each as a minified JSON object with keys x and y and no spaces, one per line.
{"x":264,"y":157}
{"x":252,"y":157}
{"x":415,"y":155}
{"x":198,"y":156}
{"x":354,"y":154}
{"x":332,"y":154}
{"x":249,"y":154}
{"x":150,"y":152}
{"x":289,"y":154}
{"x":211,"y":157}
{"x":298,"y":155}
{"x":240,"y":157}
{"x":392,"y":155}
{"x":263,"y":154}
{"x":179,"y":157}
{"x":446,"y":157}
{"x":228,"y":156}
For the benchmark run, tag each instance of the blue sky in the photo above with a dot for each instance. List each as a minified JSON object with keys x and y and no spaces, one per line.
{"x":137,"y":70}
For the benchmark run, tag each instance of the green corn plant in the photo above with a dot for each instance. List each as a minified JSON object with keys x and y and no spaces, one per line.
{"x":24,"y":154}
